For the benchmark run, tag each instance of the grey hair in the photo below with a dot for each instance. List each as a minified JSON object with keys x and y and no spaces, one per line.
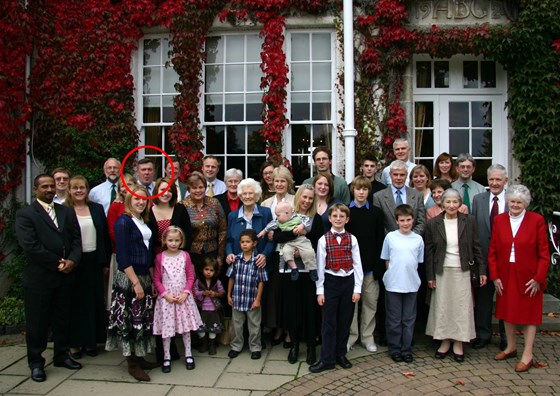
{"x":519,"y":191}
{"x":496,"y":167}
{"x":250,"y":183}
{"x":465,"y":157}
{"x":451,"y":193}
{"x":400,"y":140}
{"x":233,"y":172}
{"x":397,"y":164}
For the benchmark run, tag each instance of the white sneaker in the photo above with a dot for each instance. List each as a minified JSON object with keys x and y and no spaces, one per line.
{"x":371,"y":347}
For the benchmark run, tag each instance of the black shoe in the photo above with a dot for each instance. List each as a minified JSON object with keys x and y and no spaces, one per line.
{"x":311,"y":357}
{"x":442,"y":355}
{"x":90,"y":352}
{"x":459,"y":358}
{"x":68,"y":363}
{"x":233,"y":354}
{"x":293,"y":355}
{"x":75,"y":355}
{"x":397,"y":357}
{"x":275,"y":341}
{"x":320,"y":367}
{"x":408,"y":358}
{"x":256,"y":355}
{"x":313,"y":275}
{"x":294,"y":275}
{"x":287,"y":344}
{"x":480,"y":343}
{"x":343,"y":362}
{"x":189,"y":362}
{"x":38,"y":374}
{"x":166,"y":366}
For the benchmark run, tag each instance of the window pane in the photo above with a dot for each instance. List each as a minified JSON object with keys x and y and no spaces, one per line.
{"x":168,"y":109}
{"x":234,"y":78}
{"x":301,"y":168}
{"x":236,"y":139}
{"x":152,"y":137}
{"x":321,"y":106}
{"x":234,"y":107}
{"x":214,"y":139}
{"x":300,"y":107}
{"x":470,"y":74}
{"x":300,"y":47}
{"x":321,"y":76}
{"x":253,"y":166}
{"x":214,"y":79}
{"x":254,"y":107}
{"x":214,"y":50}
{"x":423,"y":74}
{"x":482,"y":114}
{"x":321,"y":46}
{"x":213,"y":108}
{"x":424,"y":114}
{"x":152,"y":52}
{"x":152,"y":80}
{"x":458,"y":114}
{"x":256,"y":144}
{"x":254,"y":44}
{"x":170,"y":78}
{"x":482,"y":143}
{"x":152,"y":106}
{"x":458,"y":141}
{"x":424,"y":143}
{"x":237,"y":162}
{"x":254,"y":75}
{"x":488,"y":74}
{"x":480,"y":175}
{"x":234,"y":49}
{"x":301,"y":136}
{"x":300,"y":77}
{"x":441,"y":70}
{"x":322,"y":135}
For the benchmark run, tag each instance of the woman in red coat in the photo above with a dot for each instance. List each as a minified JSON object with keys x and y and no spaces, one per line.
{"x":518,"y":259}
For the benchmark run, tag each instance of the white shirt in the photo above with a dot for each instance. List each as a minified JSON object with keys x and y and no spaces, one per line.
{"x":515,"y":222}
{"x":501,"y":202}
{"x":218,"y":186}
{"x":102,"y":194}
{"x":404,"y":252}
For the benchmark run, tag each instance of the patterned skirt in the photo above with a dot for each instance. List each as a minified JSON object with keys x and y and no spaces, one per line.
{"x":212,"y":322}
{"x":130,"y":320}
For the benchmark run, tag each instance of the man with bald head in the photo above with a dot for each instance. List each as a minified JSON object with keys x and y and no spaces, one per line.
{"x":106,"y":192}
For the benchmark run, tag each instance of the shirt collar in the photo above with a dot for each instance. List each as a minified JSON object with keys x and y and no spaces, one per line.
{"x":394,"y":189}
{"x":353,"y":204}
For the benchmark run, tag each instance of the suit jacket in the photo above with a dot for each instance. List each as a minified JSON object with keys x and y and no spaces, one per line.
{"x":481,"y":211}
{"x":531,"y":250}
{"x":101,"y":233}
{"x":385,"y":201}
{"x":45,"y":244}
{"x":436,"y":245}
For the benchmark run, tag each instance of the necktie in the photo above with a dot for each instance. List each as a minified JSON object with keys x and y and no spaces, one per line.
{"x":52,"y":214}
{"x":210,"y":189}
{"x":399,"y":201}
{"x":494,"y":210}
{"x":113,"y":192}
{"x":466,"y":198}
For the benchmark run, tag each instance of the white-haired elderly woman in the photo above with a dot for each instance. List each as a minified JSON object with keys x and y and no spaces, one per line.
{"x":518,"y":259}
{"x":249,"y":215}
{"x":451,"y":247}
{"x":230,"y":200}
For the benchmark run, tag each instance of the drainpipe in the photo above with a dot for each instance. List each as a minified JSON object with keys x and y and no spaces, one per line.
{"x":349,"y":130}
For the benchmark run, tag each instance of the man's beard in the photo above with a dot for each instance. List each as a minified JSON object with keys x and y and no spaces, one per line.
{"x":113,"y":178}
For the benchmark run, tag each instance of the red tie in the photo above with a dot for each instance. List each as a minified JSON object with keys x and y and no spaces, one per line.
{"x":494,"y":211}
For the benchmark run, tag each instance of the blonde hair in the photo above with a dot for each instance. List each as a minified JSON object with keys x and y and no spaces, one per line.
{"x":312,"y":210}
{"x":128,"y":203}
{"x":69,"y":201}
{"x":170,"y":230}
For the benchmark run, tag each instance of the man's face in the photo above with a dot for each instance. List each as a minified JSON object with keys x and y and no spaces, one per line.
{"x":401,"y":151}
{"x":210,"y":168}
{"x":45,"y":189}
{"x":61,"y":180}
{"x":497,"y":181}
{"x":465,"y":169}
{"x":175,"y":166}
{"x":369,"y":168}
{"x":112,"y":169}
{"x":146,"y":173}
{"x":322,"y":162}
{"x":398,"y":177}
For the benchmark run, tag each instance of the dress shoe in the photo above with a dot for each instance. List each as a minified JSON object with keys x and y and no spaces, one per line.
{"x":442,"y":355}
{"x":38,"y":374}
{"x":275,"y":341}
{"x":75,"y":355}
{"x":311,"y":357}
{"x":233,"y":354}
{"x":293,"y":355}
{"x":189,"y":362}
{"x":320,"y":367}
{"x":480,"y":343}
{"x":287,"y":344}
{"x":505,"y":355}
{"x":343,"y":362}
{"x":145,"y":365}
{"x":256,"y":355}
{"x":408,"y":358}
{"x":371,"y":347}
{"x":68,"y":363}
{"x":90,"y":352}
{"x":166,"y":366}
{"x":397,"y":357}
{"x":522,"y":367}
{"x":459,"y":358}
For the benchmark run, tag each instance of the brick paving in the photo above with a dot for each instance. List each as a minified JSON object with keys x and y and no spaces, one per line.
{"x":479,"y":375}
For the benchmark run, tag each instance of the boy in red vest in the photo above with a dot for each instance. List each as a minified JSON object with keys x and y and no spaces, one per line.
{"x":339,"y":268}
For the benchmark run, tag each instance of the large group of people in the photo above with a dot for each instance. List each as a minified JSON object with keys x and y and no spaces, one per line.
{"x":135,"y":262}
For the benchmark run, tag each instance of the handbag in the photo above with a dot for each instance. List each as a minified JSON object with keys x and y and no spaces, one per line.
{"x":473,"y":268}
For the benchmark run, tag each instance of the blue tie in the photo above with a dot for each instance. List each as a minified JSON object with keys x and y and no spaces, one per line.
{"x":399,"y":201}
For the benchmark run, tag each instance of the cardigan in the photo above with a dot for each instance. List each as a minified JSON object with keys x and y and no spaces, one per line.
{"x":130,"y":247}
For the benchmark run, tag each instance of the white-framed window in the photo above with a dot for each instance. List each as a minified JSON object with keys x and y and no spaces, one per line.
{"x":155,"y":108}
{"x":459,"y":107}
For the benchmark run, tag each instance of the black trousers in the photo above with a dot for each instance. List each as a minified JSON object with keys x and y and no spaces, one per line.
{"x":44,"y":308}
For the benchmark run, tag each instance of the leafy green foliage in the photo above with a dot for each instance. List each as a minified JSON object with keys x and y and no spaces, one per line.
{"x":11,"y":311}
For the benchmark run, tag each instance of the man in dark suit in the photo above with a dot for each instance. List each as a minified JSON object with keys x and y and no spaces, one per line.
{"x":181,"y":187}
{"x":485,"y":207}
{"x":50,"y":237}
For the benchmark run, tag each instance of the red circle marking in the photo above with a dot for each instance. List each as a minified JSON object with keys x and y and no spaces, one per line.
{"x":123,"y":166}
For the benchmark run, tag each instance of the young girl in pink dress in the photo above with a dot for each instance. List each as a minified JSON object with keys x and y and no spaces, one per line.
{"x":175,"y":311}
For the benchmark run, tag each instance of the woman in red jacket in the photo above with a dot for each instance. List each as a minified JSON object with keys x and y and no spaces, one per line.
{"x":518,"y":259}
